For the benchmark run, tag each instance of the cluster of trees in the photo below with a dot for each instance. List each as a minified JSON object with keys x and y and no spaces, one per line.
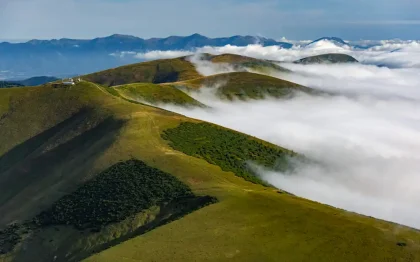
{"x":122,"y":190}
{"x":9,"y":237}
{"x":230,"y":150}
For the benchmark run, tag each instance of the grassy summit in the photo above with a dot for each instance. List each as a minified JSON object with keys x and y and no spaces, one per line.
{"x":327,"y":59}
{"x":68,"y":152}
{"x":159,"y":71}
{"x":245,"y":85}
{"x":244,"y":62}
{"x":174,"y":70}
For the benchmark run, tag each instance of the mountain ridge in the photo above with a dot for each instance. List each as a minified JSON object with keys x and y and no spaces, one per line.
{"x":64,"y":150}
{"x":148,"y":43}
{"x":73,"y":56}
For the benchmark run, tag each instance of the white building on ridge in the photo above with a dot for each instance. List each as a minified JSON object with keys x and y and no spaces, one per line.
{"x":69,"y":82}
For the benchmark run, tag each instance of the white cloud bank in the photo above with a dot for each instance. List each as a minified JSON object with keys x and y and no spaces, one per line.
{"x":390,"y":53}
{"x":153,"y":55}
{"x":366,"y":138}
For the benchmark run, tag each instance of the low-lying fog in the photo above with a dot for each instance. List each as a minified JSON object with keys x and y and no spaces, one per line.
{"x":366,"y":138}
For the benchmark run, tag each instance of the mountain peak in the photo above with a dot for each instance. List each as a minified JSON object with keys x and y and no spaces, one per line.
{"x":197,"y":36}
{"x":332,"y":39}
{"x":120,"y":36}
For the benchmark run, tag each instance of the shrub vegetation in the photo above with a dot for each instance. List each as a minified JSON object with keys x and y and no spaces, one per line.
{"x":230,"y":150}
{"x":117,"y":193}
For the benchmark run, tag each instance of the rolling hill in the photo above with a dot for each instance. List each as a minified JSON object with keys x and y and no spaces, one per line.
{"x":159,"y":71}
{"x":240,"y":63}
{"x":244,"y":85}
{"x":97,"y":177}
{"x":155,"y":94}
{"x":327,"y":59}
{"x":176,"y":69}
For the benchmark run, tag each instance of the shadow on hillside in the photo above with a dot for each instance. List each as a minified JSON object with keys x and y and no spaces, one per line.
{"x":36,"y":173}
{"x":23,"y":150}
{"x":168,"y":212}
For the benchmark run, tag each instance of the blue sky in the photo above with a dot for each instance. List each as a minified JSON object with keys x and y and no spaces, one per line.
{"x":293,"y":19}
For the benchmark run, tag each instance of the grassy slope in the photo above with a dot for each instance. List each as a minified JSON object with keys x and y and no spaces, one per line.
{"x":254,"y":64}
{"x":245,"y":85}
{"x":327,"y":58}
{"x":153,"y":93}
{"x":231,"y":58}
{"x":250,"y":223}
{"x":159,"y":71}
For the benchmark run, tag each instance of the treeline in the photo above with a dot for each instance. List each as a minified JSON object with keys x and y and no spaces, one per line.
{"x":228,"y":149}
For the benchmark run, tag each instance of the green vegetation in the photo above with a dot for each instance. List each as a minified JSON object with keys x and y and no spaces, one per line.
{"x":154,"y":94}
{"x":231,"y":59}
{"x":327,"y":59}
{"x":58,"y":139}
{"x":228,"y":149}
{"x":245,"y":85}
{"x":126,"y":200}
{"x":241,"y":63}
{"x":159,"y":71}
{"x":117,"y":193}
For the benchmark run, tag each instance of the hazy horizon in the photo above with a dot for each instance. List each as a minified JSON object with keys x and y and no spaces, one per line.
{"x":278,"y":39}
{"x":302,"y":19}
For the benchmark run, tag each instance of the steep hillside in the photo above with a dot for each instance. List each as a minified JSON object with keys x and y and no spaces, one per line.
{"x":155,"y":94}
{"x":158,"y":71}
{"x":85,"y":174}
{"x":327,"y":59}
{"x":245,"y":85}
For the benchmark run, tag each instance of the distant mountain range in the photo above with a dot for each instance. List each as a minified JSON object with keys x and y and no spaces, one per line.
{"x":6,"y":84}
{"x":70,"y":56}
{"x":33,"y":81}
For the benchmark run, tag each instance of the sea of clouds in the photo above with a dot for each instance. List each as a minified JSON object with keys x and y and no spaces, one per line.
{"x":388,"y":53}
{"x":365,"y":136}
